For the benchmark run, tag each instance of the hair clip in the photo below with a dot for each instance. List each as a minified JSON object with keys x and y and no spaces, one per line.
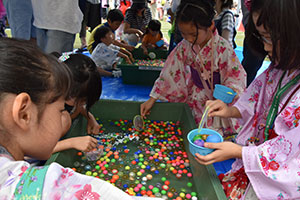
{"x":64,"y":57}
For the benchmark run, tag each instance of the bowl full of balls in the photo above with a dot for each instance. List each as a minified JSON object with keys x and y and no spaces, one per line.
{"x":196,"y":140}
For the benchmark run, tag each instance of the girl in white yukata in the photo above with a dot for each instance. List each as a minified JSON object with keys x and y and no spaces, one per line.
{"x":33,"y":91}
{"x":106,"y":55}
{"x":267,"y":149}
{"x":200,"y":61}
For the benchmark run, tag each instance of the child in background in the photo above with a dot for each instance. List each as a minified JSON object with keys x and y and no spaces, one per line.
{"x":267,"y":148}
{"x":153,"y":37}
{"x":225,"y":21}
{"x":114,"y":20}
{"x":200,"y":61}
{"x":106,"y":55}
{"x":85,"y":91}
{"x":33,"y":90}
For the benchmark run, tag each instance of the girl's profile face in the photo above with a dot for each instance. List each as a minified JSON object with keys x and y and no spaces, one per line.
{"x":109,"y":38}
{"x":264,"y":34}
{"x":189,"y":33}
{"x":53,"y":122}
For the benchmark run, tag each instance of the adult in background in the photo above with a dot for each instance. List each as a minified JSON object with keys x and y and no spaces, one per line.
{"x":2,"y":19}
{"x":57,"y":23}
{"x":252,"y":61}
{"x":91,"y":17}
{"x":20,"y":18}
{"x":137,"y":18}
{"x":225,"y":21}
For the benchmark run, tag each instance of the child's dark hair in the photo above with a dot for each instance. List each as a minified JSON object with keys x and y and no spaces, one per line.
{"x":252,"y":37}
{"x":154,"y":25}
{"x":136,"y":6}
{"x":200,"y":12}
{"x":100,"y":34}
{"x":87,"y":82}
{"x":115,"y":15}
{"x":284,"y":28}
{"x":227,"y":4}
{"x":24,"y":68}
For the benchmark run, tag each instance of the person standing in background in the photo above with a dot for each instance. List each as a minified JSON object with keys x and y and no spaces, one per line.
{"x":57,"y":23}
{"x":2,"y":20}
{"x":20,"y":19}
{"x":153,"y":7}
{"x":136,"y":20}
{"x":251,"y":61}
{"x":91,"y":18}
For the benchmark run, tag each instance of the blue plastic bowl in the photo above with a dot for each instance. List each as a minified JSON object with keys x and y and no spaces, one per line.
{"x":197,"y":149}
{"x":224,"y":93}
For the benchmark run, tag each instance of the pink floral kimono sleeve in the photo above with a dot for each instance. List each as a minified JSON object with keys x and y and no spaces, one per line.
{"x":232,"y":72}
{"x":171,"y":84}
{"x":272,"y":166}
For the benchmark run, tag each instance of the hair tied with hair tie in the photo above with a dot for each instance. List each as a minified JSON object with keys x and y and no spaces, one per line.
{"x":64,"y":57}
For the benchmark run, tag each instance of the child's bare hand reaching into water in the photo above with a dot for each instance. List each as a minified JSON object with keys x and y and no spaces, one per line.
{"x":84,"y":143}
{"x":92,"y":127}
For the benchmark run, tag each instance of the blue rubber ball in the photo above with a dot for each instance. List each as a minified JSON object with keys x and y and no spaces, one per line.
{"x":213,"y":138}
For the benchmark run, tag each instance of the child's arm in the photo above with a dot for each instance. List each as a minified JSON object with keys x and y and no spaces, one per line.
{"x":226,"y":34}
{"x":220,"y":109}
{"x":92,"y":125}
{"x":103,"y":72}
{"x":144,"y":47}
{"x":129,"y":30}
{"x":83,"y":143}
{"x":122,"y":55}
{"x":128,"y":53}
{"x":123,"y":45}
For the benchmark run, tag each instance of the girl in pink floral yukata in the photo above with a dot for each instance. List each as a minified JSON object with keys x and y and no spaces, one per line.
{"x":33,"y":90}
{"x":200,"y":61}
{"x":268,"y":146}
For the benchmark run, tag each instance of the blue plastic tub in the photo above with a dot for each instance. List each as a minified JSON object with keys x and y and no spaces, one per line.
{"x":224,"y":93}
{"x":198,"y":149}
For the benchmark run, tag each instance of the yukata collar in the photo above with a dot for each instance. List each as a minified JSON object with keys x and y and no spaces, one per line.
{"x":5,"y":153}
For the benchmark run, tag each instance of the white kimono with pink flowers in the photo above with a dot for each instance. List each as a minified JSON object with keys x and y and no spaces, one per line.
{"x":59,"y":183}
{"x":273,"y":167}
{"x":176,"y":83}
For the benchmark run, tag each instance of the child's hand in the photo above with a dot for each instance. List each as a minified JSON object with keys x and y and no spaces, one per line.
{"x":224,"y":151}
{"x":92,"y":127}
{"x":131,"y":57}
{"x":218,"y":108}
{"x":151,"y":46}
{"x":145,"y":51}
{"x":128,"y":60}
{"x":84,"y":143}
{"x":146,"y":107}
{"x":139,"y":33}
